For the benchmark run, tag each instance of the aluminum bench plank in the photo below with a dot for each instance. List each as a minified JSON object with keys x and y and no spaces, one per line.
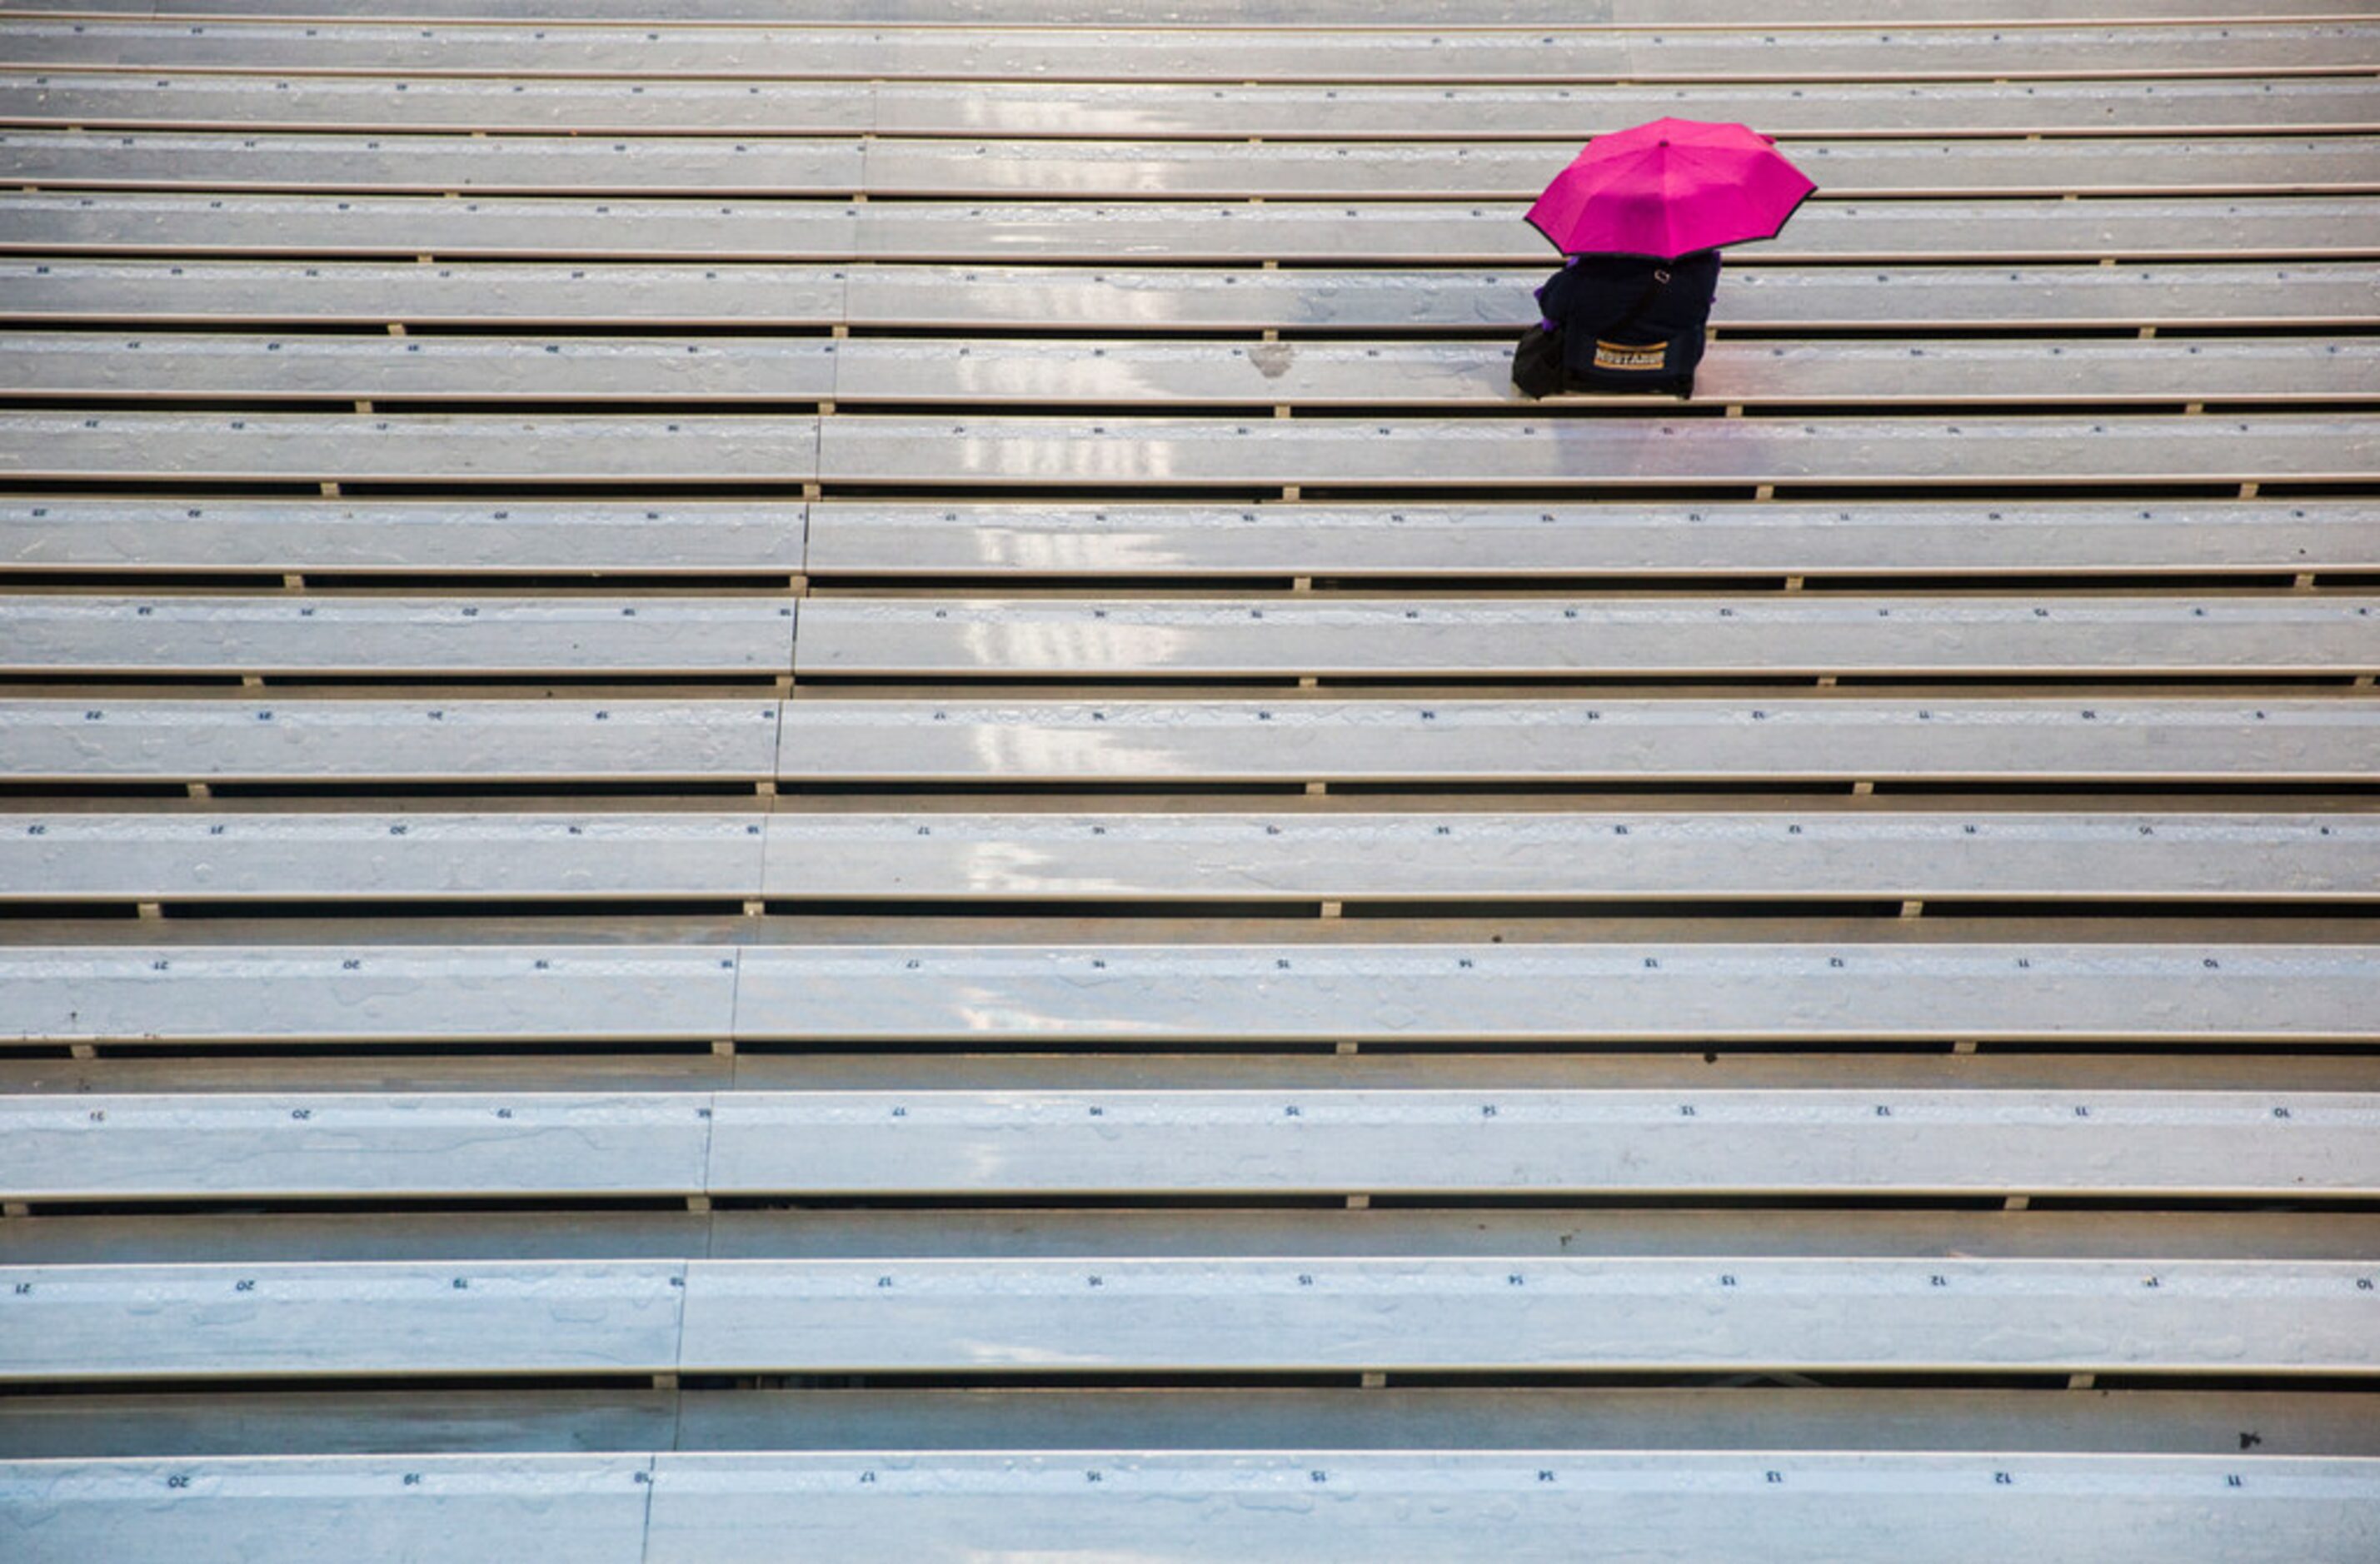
{"x":995,"y":996}
{"x":780,"y":165}
{"x":1430,"y":854}
{"x":1143,"y":299}
{"x":407,"y":537}
{"x":1546,"y":993}
{"x":433,"y":163}
{"x":1775,"y":536}
{"x":1184,"y":1143}
{"x":1421,"y":1507}
{"x":2011,"y":371}
{"x":1735,"y":539}
{"x":375,"y":1145}
{"x":706,"y":448}
{"x":622,"y":448}
{"x":1147,"y":299}
{"x":91,"y":1323}
{"x":461,"y":739}
{"x":1160,"y":1144}
{"x":318,"y":633}
{"x":1209,"y":1315}
{"x":1988,"y":450}
{"x":2122,"y":739}
{"x":1517,"y":170}
{"x":1154,"y":1145}
{"x":646,"y":371}
{"x":1236,"y":857}
{"x":1455,"y":739}
{"x":1980,"y":228}
{"x":2313,"y":294}
{"x":382,"y":857}
{"x":85,"y":364}
{"x":1452,"y":111}
{"x":110,"y":1322}
{"x":540,"y":228}
{"x":468,"y":1508}
{"x":2119,"y":637}
{"x":1921,"y":52}
{"x":962,"y":295}
{"x":1249,"y":1505}
{"x":635,"y":370}
{"x":385,"y":993}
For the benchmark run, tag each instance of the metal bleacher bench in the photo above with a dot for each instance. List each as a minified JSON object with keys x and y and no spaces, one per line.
{"x":1996,"y":228}
{"x":728,"y":51}
{"x":1151,"y":109}
{"x":1814,"y":853}
{"x":1083,"y":541}
{"x":2119,"y":637}
{"x":651,"y":371}
{"x":2130,"y":739}
{"x":1988,"y":449}
{"x":1150,"y":298}
{"x":836,"y":779}
{"x":1285,"y":170}
{"x":1840,"y":993}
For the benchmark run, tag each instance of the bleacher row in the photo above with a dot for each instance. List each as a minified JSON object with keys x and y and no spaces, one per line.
{"x":839,"y":781}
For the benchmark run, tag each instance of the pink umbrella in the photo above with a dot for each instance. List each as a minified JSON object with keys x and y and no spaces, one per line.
{"x":1669,"y":189}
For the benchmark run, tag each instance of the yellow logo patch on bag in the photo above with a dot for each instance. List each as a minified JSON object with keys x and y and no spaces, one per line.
{"x":1630,"y":355}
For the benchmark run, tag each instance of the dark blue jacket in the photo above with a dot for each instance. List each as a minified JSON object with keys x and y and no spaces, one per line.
{"x":1592,"y":299}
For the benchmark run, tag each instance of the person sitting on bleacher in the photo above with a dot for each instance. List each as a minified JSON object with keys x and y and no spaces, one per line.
{"x":1643,"y":215}
{"x":1626,"y":323}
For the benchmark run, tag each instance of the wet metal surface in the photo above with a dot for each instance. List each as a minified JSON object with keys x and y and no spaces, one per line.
{"x":388,"y":740}
{"x":1059,"y":538}
{"x":883,"y":167}
{"x":1492,"y":1139}
{"x":1392,"y":538}
{"x":1108,"y":1312}
{"x":776,"y":230}
{"x":1286,"y":1505}
{"x":1455,"y":739}
{"x":158,"y":1321}
{"x":1448,"y":111}
{"x":1988,"y":448}
{"x":376,"y":855}
{"x":1225,"y":856}
{"x":1235,"y":857}
{"x":1323,"y":54}
{"x":1549,"y":993}
{"x":374,"y":636}
{"x":1005,"y":373}
{"x":1447,"y":993}
{"x":389,"y":994}
{"x":1426,"y":853}
{"x":1973,"y":636}
{"x":1007,"y":451}
{"x":962,"y":295}
{"x":77,"y":532}
{"x":1541,"y":740}
{"x":411,"y":447}
{"x":1421,"y":1314}
{"x":383,"y":1145}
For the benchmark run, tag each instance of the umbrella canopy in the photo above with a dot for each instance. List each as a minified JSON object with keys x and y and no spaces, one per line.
{"x":1669,"y":189}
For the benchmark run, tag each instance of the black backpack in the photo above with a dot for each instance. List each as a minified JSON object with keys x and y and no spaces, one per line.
{"x":1540,"y":364}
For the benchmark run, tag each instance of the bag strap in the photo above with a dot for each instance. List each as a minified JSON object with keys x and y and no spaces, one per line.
{"x":1652,"y":291}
